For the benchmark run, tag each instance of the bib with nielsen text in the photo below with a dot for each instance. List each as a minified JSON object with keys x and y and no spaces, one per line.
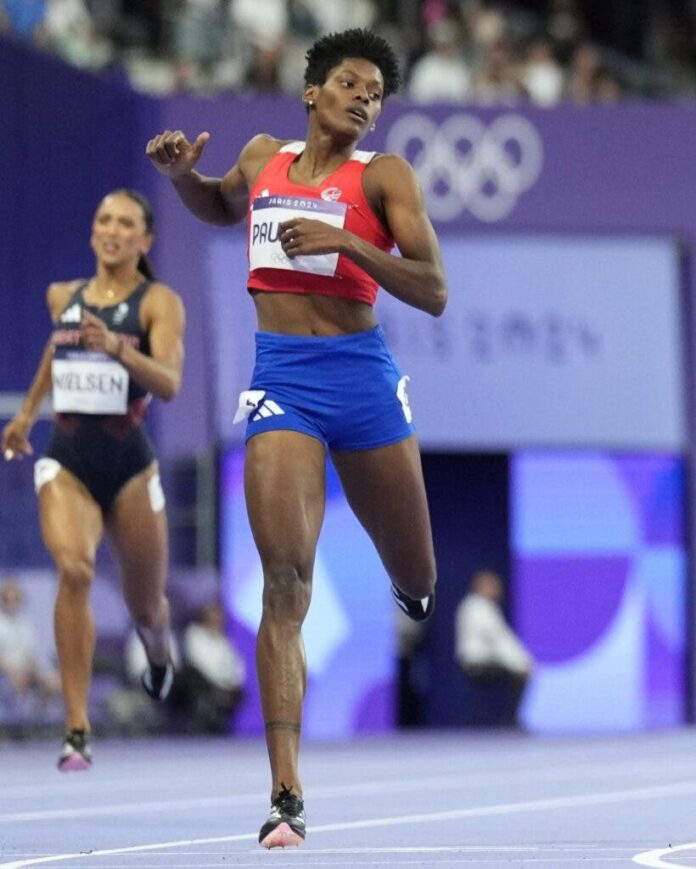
{"x":88,"y":382}
{"x":265,"y":249}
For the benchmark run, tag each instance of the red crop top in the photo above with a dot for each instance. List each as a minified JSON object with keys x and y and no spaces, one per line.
{"x":338,"y":200}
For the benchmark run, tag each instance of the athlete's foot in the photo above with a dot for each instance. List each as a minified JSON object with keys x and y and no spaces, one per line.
{"x":157,"y":680}
{"x":418,"y":609}
{"x":76,"y":754}
{"x":286,"y":824}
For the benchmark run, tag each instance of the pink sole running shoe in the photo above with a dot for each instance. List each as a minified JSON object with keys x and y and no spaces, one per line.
{"x":282,"y":837}
{"x":76,"y":755}
{"x":285,"y":826}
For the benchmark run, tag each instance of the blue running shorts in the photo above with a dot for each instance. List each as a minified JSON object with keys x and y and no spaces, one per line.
{"x":346,"y":391}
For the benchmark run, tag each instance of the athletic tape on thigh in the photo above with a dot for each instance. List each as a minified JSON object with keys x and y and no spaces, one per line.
{"x":156,"y":494}
{"x":45,"y":470}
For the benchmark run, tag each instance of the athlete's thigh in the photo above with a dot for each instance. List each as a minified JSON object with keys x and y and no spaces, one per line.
{"x":71,"y":520}
{"x":137,"y":530}
{"x":284,"y":481}
{"x":386,"y":491}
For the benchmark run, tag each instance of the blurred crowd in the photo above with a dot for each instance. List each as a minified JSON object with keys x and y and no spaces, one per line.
{"x":461,"y":51}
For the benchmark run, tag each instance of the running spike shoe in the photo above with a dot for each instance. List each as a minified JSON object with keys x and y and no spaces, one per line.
{"x":418,"y":609}
{"x":286,"y":823}
{"x":76,"y":755}
{"x":157,"y":680}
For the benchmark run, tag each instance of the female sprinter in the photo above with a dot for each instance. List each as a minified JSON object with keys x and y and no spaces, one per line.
{"x":117,"y":340}
{"x":323,"y":218}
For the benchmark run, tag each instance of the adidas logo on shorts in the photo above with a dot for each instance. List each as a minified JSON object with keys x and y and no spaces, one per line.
{"x":268,"y":408}
{"x":253,"y":401}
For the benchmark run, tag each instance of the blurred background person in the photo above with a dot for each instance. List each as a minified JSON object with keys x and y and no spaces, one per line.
{"x":263,"y":25}
{"x":542,"y":76}
{"x":497,"y":80}
{"x":200,"y":28}
{"x":71,"y":32}
{"x":585,"y":66}
{"x":26,"y":684}
{"x":210,"y":685}
{"x":490,"y":654}
{"x":441,"y":74}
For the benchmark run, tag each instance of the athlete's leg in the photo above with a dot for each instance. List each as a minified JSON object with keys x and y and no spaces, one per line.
{"x":137,"y":530}
{"x":385,"y":490}
{"x":71,"y":526}
{"x":285,"y":496}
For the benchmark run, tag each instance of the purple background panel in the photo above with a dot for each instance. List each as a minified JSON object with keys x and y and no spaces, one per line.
{"x":608,"y":628}
{"x":657,"y":487}
{"x":665,"y":672}
{"x":567,"y":603}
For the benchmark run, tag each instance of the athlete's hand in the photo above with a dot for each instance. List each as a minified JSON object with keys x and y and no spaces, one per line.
{"x":15,"y":437}
{"x":301,"y":236}
{"x":95,"y":335}
{"x":172,"y":154}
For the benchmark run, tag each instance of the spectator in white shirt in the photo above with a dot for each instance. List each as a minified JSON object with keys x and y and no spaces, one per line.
{"x":20,"y":667}
{"x":212,"y":680}
{"x":441,"y":74}
{"x":542,"y":75}
{"x":487,"y":649}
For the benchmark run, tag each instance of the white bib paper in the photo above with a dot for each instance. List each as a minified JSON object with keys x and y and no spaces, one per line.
{"x":265,"y":249}
{"x":89,"y":382}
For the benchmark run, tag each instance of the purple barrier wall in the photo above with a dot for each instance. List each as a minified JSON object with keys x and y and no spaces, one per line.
{"x":69,"y":138}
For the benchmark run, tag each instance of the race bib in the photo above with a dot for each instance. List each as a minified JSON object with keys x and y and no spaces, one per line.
{"x":268,"y":212}
{"x":88,"y":382}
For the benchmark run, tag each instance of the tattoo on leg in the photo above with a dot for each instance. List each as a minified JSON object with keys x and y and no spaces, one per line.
{"x":284,"y":725}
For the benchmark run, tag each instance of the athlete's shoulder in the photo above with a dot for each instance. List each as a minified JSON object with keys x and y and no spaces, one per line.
{"x":389,"y":173}
{"x":161,"y":299}
{"x":256,"y":155}
{"x":392,"y":163}
{"x":162,"y":293}
{"x":262,"y":146}
{"x":58,"y":294}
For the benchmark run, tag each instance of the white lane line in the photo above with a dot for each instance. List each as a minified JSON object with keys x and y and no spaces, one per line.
{"x":453,"y":854}
{"x":654,"y":858}
{"x":133,"y":808}
{"x":384,"y":786}
{"x":580,"y":800}
{"x":451,"y":781}
{"x":135,"y":849}
{"x":308,"y":860}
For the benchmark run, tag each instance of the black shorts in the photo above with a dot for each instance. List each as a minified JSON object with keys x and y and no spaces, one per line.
{"x":104,"y":462}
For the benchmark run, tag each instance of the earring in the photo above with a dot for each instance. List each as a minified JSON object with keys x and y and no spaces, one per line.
{"x":373,"y":127}
{"x":310,"y":103}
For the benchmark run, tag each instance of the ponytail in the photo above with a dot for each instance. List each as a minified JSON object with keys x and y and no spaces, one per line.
{"x":145,"y":268}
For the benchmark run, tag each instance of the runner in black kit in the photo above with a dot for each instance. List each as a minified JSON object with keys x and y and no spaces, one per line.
{"x":323,"y":218}
{"x":117,"y":339}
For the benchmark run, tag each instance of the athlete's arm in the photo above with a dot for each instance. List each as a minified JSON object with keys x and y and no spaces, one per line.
{"x":15,"y":435}
{"x":416,"y":277}
{"x":163,"y":317}
{"x":220,"y":201}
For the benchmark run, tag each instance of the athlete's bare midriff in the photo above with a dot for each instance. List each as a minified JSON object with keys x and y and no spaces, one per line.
{"x":295,"y":314}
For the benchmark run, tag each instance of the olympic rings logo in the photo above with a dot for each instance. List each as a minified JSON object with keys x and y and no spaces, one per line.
{"x":465,"y":165}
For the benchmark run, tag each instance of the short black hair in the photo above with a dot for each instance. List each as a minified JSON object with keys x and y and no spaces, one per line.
{"x":328,"y":51}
